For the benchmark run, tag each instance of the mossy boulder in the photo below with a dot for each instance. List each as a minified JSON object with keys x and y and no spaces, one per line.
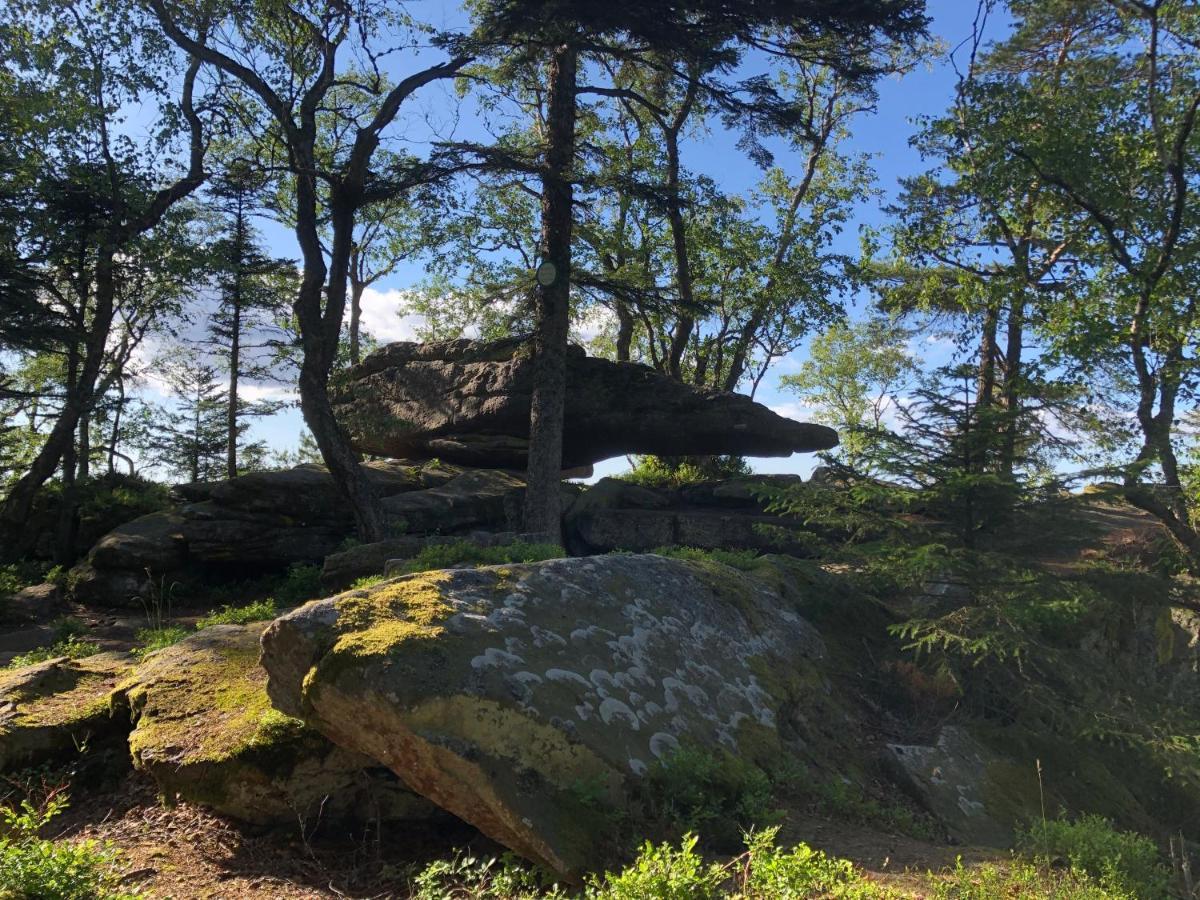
{"x":206,"y":732}
{"x":530,"y":700}
{"x":51,"y":710}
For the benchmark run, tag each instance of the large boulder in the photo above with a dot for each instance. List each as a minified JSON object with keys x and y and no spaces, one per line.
{"x":48,"y":711}
{"x":206,"y":732}
{"x":531,"y":700}
{"x":469,"y":402}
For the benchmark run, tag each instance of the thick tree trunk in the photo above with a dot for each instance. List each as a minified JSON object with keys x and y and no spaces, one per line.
{"x":1013,"y":387}
{"x":356,"y":293}
{"x":624,"y":332}
{"x":542,"y":496}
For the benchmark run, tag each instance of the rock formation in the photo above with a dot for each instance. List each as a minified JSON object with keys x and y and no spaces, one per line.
{"x":505,"y":693}
{"x":468,"y":402}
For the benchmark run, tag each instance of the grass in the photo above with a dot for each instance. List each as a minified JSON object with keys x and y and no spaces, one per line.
{"x":745,"y":560}
{"x":259,"y":611}
{"x":67,"y":642}
{"x":1121,"y":860}
{"x":464,"y":553}
{"x":152,"y":639}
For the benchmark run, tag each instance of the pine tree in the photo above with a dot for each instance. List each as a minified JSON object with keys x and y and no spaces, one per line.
{"x":188,"y":438}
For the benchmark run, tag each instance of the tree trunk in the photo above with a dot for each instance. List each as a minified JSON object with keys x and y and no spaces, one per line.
{"x":624,"y":331}
{"x":1013,"y":376}
{"x":542,"y":496}
{"x":235,"y":362}
{"x":357,"y":287}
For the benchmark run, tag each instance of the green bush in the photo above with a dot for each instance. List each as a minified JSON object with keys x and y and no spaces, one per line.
{"x":471,"y":878}
{"x":663,"y":471}
{"x":367,"y":581}
{"x":462,"y":553}
{"x":20,"y":575}
{"x":259,"y":611}
{"x":32,"y":868}
{"x":663,"y":873}
{"x":301,"y":584}
{"x":1020,"y":879}
{"x":718,"y":795}
{"x":152,"y":639}
{"x":1122,"y":861}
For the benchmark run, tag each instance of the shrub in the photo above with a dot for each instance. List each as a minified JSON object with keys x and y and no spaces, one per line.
{"x":663,"y":873}
{"x":718,"y":795}
{"x":300,"y":584}
{"x":35,"y":869}
{"x":367,"y":581}
{"x":153,"y":639}
{"x":470,"y":878}
{"x":1121,"y":860}
{"x":459,"y":553}
{"x":665,"y":471}
{"x":19,"y":575}
{"x":1019,"y":879}
{"x":259,"y":611}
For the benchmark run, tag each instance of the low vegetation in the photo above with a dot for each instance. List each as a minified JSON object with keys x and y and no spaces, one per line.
{"x":152,"y":639}
{"x":258,"y":611}
{"x":465,"y":553}
{"x":33,"y":868}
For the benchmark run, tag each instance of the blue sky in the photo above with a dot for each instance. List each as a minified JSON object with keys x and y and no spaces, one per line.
{"x":884,"y":135}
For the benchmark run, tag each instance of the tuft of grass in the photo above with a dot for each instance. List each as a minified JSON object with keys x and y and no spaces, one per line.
{"x":464,"y":553}
{"x":367,"y":581}
{"x":38,"y":869}
{"x":259,"y":611}
{"x":745,"y":560}
{"x":152,"y":639}
{"x":71,"y":647}
{"x":1018,"y":879}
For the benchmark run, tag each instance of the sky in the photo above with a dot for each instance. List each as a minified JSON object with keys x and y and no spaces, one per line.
{"x":884,"y":135}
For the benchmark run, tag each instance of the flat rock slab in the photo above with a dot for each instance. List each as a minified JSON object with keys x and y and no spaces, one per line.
{"x":507,"y":694}
{"x":469,"y":402}
{"x":950,"y":778}
{"x":49,"y":710}
{"x":205,"y":730}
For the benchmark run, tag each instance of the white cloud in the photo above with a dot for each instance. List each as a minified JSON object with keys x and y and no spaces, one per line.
{"x":381,"y":316}
{"x":255,"y":392}
{"x":793,"y":410}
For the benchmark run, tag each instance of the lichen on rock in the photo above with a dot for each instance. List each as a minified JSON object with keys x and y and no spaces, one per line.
{"x":497,"y":691}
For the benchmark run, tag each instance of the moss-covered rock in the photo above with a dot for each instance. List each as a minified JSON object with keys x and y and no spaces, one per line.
{"x":499,"y":692}
{"x":51,"y":710}
{"x":205,"y":730}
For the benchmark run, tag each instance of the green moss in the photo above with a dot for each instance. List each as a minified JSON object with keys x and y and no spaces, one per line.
{"x":375,"y":619}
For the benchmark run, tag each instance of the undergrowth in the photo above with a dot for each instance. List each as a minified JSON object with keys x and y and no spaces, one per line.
{"x":464,"y":553}
{"x":765,"y":871}
{"x":259,"y":611}
{"x":152,"y":639}
{"x":33,"y":868}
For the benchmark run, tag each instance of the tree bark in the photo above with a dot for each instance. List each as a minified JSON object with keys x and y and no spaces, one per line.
{"x":542,"y":496}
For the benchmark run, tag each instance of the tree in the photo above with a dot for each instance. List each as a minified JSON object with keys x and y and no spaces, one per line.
{"x":695,"y":38}
{"x":93,"y":206}
{"x":188,"y":438}
{"x":1120,"y":83}
{"x":253,"y":293}
{"x":287,"y":60}
{"x":851,"y":376}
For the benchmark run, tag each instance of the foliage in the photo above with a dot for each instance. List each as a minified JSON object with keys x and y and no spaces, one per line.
{"x":152,"y":639}
{"x":1019,"y":879}
{"x":71,"y":647}
{"x":19,"y":575}
{"x":1127,"y":862}
{"x":32,"y":868}
{"x":471,"y":878}
{"x":850,"y":377}
{"x":464,"y":553}
{"x":719,"y":795}
{"x":367,"y":581}
{"x":300,"y":584}
{"x":745,"y":560}
{"x":258,"y":611}
{"x":664,"y":471}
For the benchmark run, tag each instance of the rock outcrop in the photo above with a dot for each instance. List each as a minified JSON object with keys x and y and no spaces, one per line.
{"x":265,"y":521}
{"x":508,"y":693}
{"x":617,"y":515}
{"x":206,"y":732}
{"x":51,"y":709}
{"x":468,"y":402}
